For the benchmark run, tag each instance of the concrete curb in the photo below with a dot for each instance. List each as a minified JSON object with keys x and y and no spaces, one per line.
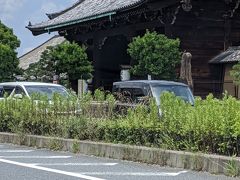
{"x":195,"y":161}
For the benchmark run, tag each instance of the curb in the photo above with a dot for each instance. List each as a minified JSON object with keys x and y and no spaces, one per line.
{"x":194,"y":161}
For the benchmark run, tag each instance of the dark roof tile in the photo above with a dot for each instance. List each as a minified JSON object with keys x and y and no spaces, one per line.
{"x":84,"y":10}
{"x":232,"y":54}
{"x":56,"y":14}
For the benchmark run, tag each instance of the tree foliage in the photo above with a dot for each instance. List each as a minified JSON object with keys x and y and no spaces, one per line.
{"x":7,"y":37}
{"x":46,"y":67}
{"x":8,"y":63}
{"x":235,"y":73}
{"x":66,"y":58}
{"x":8,"y":56}
{"x":72,"y":59}
{"x":154,"y":54}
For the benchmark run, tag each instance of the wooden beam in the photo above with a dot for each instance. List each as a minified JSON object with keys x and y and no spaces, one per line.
{"x":96,"y":62}
{"x":156,"y":5}
{"x":227,"y":33}
{"x":124,"y":30}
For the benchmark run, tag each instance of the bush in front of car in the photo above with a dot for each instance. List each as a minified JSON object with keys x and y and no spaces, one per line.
{"x":211,"y":125}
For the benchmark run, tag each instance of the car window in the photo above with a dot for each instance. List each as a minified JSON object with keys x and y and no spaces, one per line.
{"x":19,"y":90}
{"x":136,"y":94}
{"x":126,"y":91}
{"x":181,"y":91}
{"x":125,"y":95}
{"x":7,"y":90}
{"x":130,"y":94}
{"x":1,"y":92}
{"x":48,"y":91}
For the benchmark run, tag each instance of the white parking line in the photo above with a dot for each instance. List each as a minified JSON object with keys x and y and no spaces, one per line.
{"x":15,"y":151}
{"x":135,"y":173}
{"x":35,"y":157}
{"x":50,"y":170}
{"x":74,"y":164}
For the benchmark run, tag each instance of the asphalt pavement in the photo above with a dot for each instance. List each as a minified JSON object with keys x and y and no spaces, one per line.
{"x":24,"y":163}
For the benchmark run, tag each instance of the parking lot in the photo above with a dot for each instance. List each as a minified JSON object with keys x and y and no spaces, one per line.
{"x":23,"y":163}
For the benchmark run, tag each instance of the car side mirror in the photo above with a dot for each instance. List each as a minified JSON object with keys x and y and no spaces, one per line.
{"x":18,"y":96}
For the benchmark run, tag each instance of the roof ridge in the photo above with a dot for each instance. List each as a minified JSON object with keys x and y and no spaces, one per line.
{"x":56,"y":14}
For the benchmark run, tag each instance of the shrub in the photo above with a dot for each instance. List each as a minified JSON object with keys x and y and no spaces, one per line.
{"x":211,"y":125}
{"x":155,"y":54}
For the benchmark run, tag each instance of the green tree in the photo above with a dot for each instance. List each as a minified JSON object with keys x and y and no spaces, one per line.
{"x":235,"y":73}
{"x":7,"y":37}
{"x":8,"y":56}
{"x":154,"y":54}
{"x":66,"y":58}
{"x":46,"y":67}
{"x":72,"y":59}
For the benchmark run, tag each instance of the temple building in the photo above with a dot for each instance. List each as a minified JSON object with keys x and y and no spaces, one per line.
{"x":205,"y":29}
{"x":34,"y":55}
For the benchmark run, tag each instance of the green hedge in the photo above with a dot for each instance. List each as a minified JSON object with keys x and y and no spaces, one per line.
{"x":211,"y":125}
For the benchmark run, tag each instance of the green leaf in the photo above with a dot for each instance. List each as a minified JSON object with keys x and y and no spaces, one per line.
{"x":154,"y":54}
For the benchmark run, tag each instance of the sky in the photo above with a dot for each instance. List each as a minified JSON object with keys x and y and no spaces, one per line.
{"x":16,"y":14}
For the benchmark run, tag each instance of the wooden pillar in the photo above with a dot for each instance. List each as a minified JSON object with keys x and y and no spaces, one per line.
{"x":169,"y":30}
{"x":227,"y":33}
{"x":96,"y":63}
{"x":130,"y":35}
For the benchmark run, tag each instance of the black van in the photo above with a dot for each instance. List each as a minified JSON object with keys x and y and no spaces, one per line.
{"x":137,"y":90}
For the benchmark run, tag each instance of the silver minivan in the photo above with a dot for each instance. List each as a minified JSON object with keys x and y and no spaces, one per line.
{"x":20,"y":89}
{"x":137,"y":90}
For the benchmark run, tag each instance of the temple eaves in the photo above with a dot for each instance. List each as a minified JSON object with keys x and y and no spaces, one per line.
{"x":83,"y":11}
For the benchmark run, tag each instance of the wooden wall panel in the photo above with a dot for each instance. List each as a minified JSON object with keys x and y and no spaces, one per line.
{"x":203,"y":33}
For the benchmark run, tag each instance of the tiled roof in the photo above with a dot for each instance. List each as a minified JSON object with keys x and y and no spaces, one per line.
{"x":55,"y":14}
{"x":232,"y":54}
{"x":85,"y":10}
{"x":34,"y":55}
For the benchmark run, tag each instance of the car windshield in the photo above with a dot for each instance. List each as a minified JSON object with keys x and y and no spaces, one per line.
{"x":1,"y":92}
{"x":48,"y":91}
{"x":180,"y":91}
